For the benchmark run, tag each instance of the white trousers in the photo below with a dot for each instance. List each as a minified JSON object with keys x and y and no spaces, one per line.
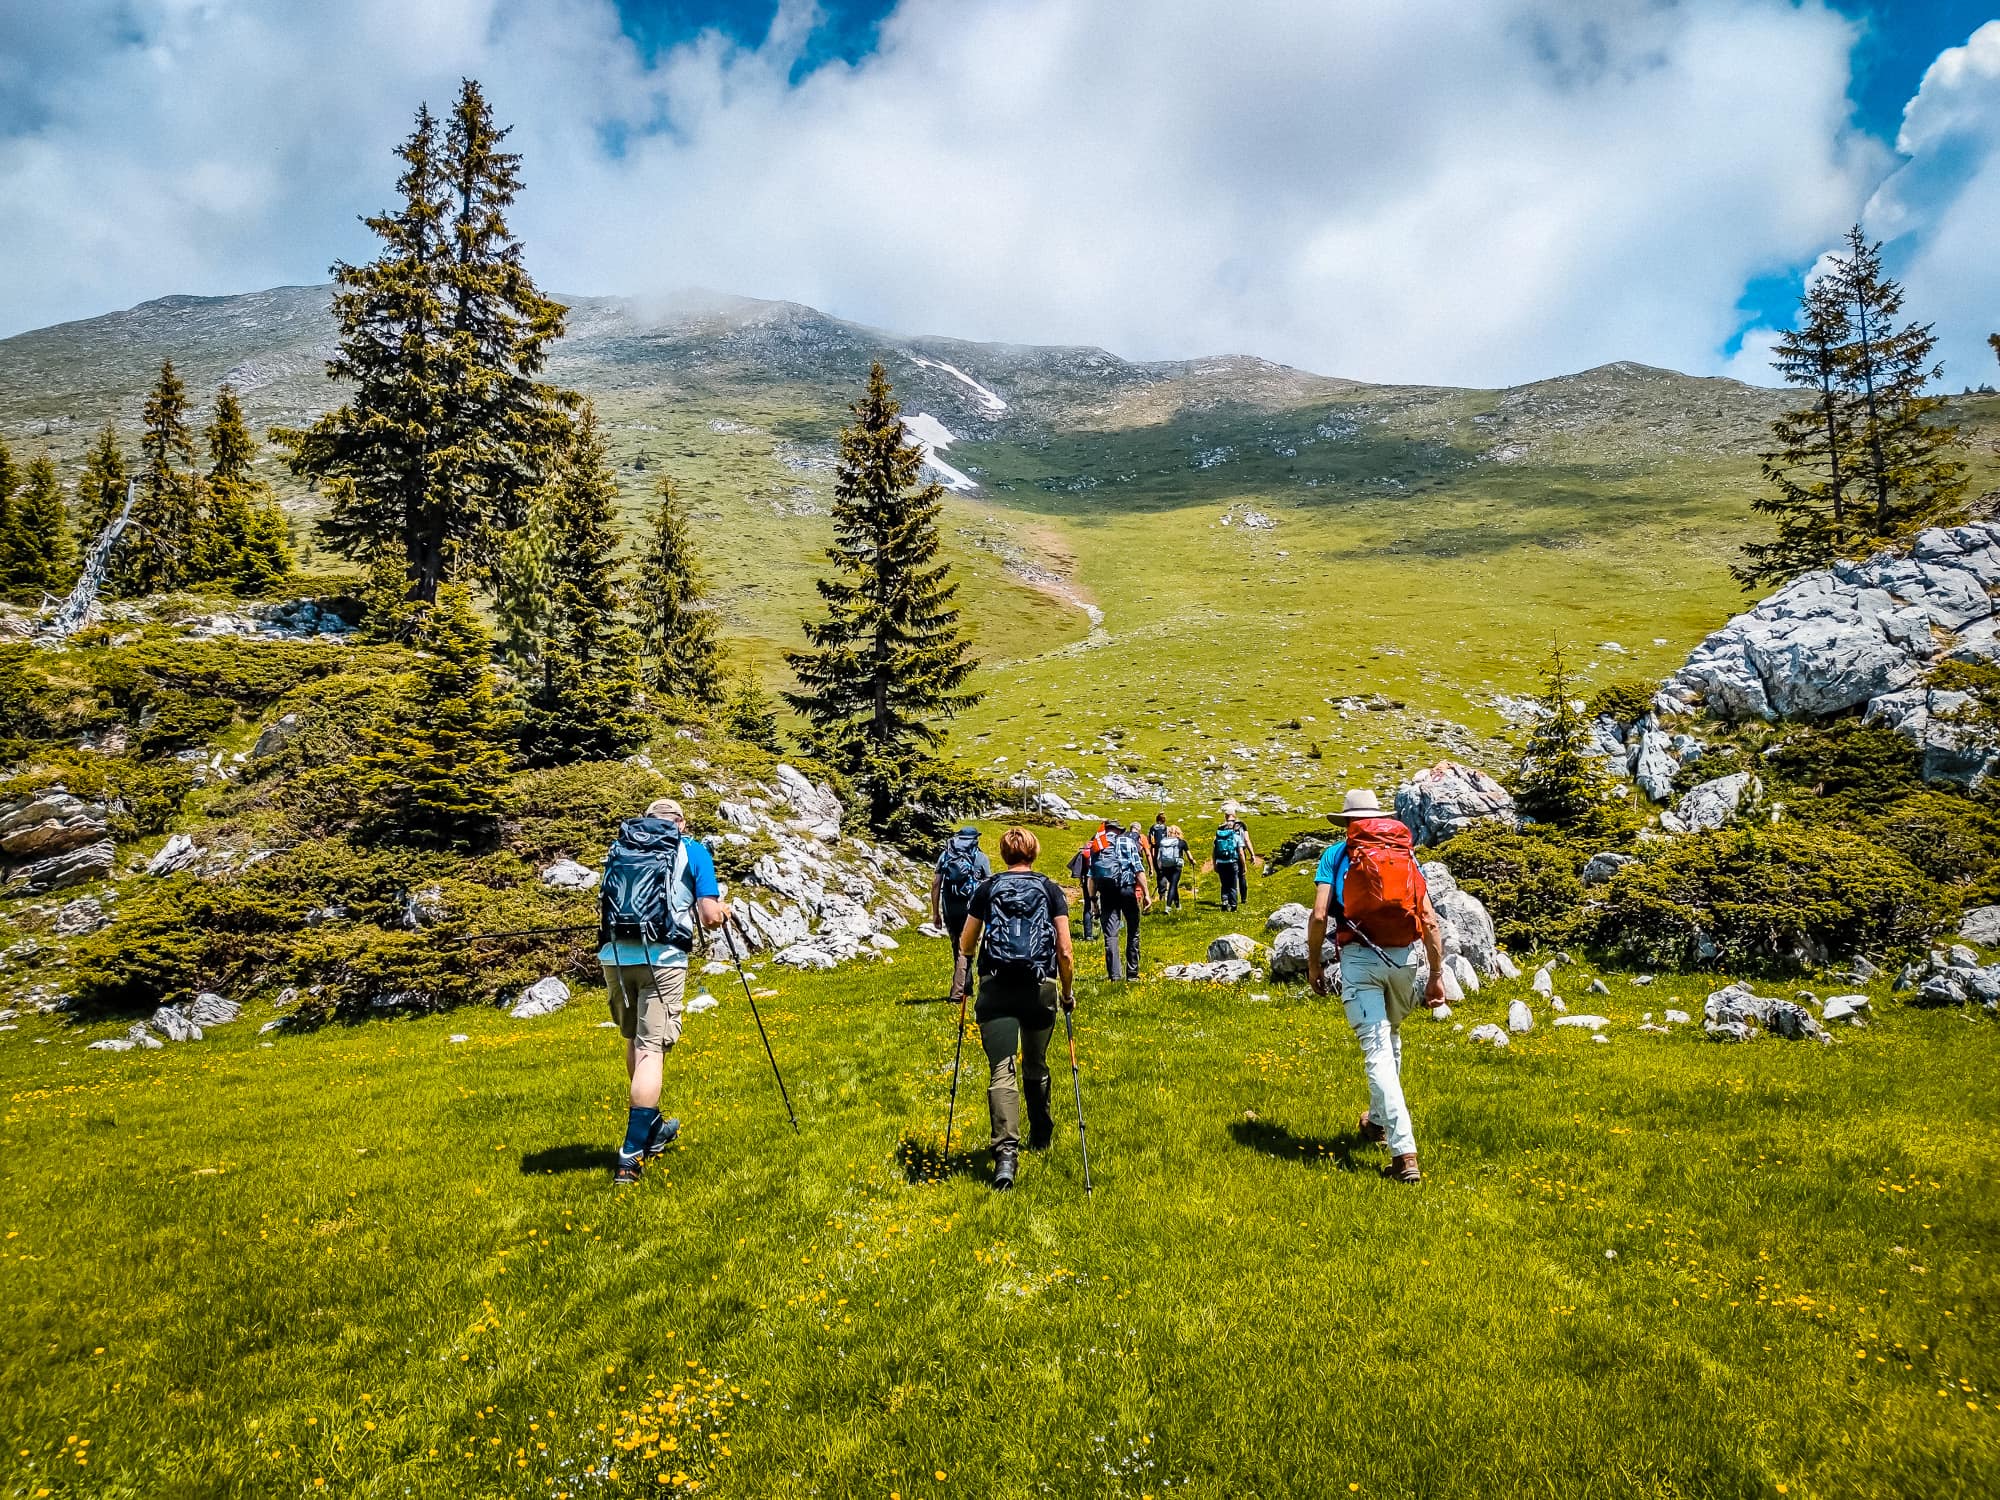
{"x":1378,"y":996}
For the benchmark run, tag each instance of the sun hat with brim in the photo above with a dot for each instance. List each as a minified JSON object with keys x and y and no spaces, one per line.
{"x":1359,"y":805}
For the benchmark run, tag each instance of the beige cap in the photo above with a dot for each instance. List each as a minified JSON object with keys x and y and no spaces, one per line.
{"x":1359,"y":804}
{"x":666,"y":807}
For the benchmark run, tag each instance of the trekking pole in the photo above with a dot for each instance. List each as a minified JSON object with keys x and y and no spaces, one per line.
{"x":480,"y":937}
{"x":730,"y":938}
{"x":957,"y":1052}
{"x":1076,"y":1083}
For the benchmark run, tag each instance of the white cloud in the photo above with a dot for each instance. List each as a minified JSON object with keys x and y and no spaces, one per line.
{"x":1940,"y":211}
{"x":1465,"y":190}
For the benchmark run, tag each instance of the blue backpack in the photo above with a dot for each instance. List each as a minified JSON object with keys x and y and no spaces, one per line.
{"x":958,"y":868}
{"x":646,"y":896}
{"x":1118,"y":864}
{"x":1227,"y":845}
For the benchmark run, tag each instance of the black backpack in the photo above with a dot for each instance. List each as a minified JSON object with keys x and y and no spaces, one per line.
{"x":1020,"y":934}
{"x":646,"y":896}
{"x":958,"y":868}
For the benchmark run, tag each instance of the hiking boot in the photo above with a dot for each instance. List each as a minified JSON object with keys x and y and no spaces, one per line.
{"x":1041,"y":1123}
{"x":1005,"y":1158}
{"x":664,"y":1132}
{"x":1403,"y":1168}
{"x":628,"y":1170}
{"x":1372,"y":1133}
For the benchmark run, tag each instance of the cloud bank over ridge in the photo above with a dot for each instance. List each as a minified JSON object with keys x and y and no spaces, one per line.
{"x":1444,"y":190}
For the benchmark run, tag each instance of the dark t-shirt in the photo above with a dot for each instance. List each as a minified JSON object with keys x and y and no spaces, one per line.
{"x":1030,"y":1001}
{"x":982,"y":899}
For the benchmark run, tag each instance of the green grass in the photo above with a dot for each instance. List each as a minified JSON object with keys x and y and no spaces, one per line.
{"x":224,"y":1261}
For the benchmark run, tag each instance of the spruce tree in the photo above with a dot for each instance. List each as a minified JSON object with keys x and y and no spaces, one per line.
{"x":1811,"y":468}
{"x":167,"y":513}
{"x":682,"y":655}
{"x":243,"y":539}
{"x":10,"y":481}
{"x":442,"y":337}
{"x":436,"y":774}
{"x":388,"y":614}
{"x":1560,"y":782}
{"x":1906,"y":472}
{"x":751,"y":716}
{"x":581,"y":673}
{"x":36,"y":557}
{"x":100,"y":489}
{"x":889,"y":658}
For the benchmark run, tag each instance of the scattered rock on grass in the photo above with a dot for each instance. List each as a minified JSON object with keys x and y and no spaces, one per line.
{"x":1519,"y":1018}
{"x":175,"y":855}
{"x":1599,"y":987}
{"x":1489,"y":1033}
{"x":569,"y":875}
{"x":1844,"y":1007}
{"x":1543,"y":983}
{"x":1218,"y":971}
{"x":702,"y":1004}
{"x":1677,"y":1018}
{"x":174,"y":1025}
{"x":80,"y":918}
{"x":1981,"y":925}
{"x":1594,"y":1023}
{"x":1232,"y":945}
{"x":1292,"y":914}
{"x":210,"y":1009}
{"x":544,"y":997}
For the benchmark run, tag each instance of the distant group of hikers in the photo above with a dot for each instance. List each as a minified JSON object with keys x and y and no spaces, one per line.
{"x":1011,"y":931}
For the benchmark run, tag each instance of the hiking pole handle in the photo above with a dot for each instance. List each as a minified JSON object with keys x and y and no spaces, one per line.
{"x":783,"y":1093}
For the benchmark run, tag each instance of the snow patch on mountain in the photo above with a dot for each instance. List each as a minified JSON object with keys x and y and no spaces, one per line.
{"x":991,"y":404}
{"x":931,"y":435}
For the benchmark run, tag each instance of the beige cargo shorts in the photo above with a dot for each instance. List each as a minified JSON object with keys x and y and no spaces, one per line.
{"x":646,"y":1002}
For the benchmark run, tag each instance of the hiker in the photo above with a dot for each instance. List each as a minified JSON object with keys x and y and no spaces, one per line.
{"x":1019,"y":929}
{"x":1169,"y":857}
{"x":1154,"y":836}
{"x":1118,"y":876}
{"x":960,"y":868}
{"x":1079,"y":869}
{"x":658,"y":882}
{"x":1370,"y":887}
{"x":1230,"y":858}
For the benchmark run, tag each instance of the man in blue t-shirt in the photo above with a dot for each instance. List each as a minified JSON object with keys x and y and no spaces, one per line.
{"x":646,"y":979}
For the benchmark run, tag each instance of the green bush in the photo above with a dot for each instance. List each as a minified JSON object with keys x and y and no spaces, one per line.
{"x":1768,"y":899}
{"x":1625,"y":701}
{"x":333,"y":713}
{"x":1529,"y":882}
{"x":566,"y":810}
{"x":143,"y":798}
{"x":174,"y":720}
{"x":1845,"y":760}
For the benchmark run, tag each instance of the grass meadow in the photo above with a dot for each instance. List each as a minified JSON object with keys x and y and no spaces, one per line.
{"x":376,"y":1261}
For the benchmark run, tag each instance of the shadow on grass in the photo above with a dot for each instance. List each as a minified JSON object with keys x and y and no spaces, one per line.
{"x":575,"y":1157}
{"x":1283,"y":1143}
{"x":924,"y":1161}
{"x":925,"y":1000}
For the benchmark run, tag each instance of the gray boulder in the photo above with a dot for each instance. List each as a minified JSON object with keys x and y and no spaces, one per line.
{"x":1795,"y":1023}
{"x":1288,"y":955}
{"x":542,"y":998}
{"x":569,"y":875}
{"x":80,"y":918}
{"x":1729,"y":1031}
{"x":805,"y":956}
{"x":114,"y":1044}
{"x":1490,"y":1034}
{"x":174,"y":1025}
{"x":1844,"y":1007}
{"x":179,"y":852}
{"x":1714,"y":804}
{"x":1232,"y":945}
{"x":1293,"y":914}
{"x":1519,"y":1018}
{"x":1055,"y":805}
{"x":816,"y":806}
{"x":1449,"y":798}
{"x":1654,"y":766}
{"x":1942,"y":989}
{"x":210,"y":1009}
{"x":47,"y":823}
{"x":1589,"y":1023}
{"x":275,"y":736}
{"x":59,"y":871}
{"x":1459,"y":968}
{"x":424,"y":907}
{"x":1953,"y":751}
{"x":1601,"y":867}
{"x":1220,"y":971}
{"x":1678,"y":1018}
{"x":1468,"y":928}
{"x":1981,"y":925}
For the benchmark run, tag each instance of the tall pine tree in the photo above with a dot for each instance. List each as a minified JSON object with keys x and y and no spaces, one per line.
{"x":167,"y":514}
{"x":243,"y":540}
{"x":682,"y":655}
{"x":437,"y":774}
{"x":36,"y":556}
{"x":580,"y":675}
{"x":10,"y":481}
{"x":1906,"y":470}
{"x":442,"y":338}
{"x":889,"y":659}
{"x":100,"y":489}
{"x":1811,"y":469}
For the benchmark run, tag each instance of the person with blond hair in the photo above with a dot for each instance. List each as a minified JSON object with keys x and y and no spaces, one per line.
{"x":658,"y":884}
{"x":1017,"y":933}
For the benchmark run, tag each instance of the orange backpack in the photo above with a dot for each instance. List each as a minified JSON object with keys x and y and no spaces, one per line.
{"x":1382,"y":895}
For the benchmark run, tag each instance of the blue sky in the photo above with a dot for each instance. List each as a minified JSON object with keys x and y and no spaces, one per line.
{"x":1463,"y":191}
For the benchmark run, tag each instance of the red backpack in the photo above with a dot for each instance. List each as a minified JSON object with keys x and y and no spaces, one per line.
{"x":1382,"y":895}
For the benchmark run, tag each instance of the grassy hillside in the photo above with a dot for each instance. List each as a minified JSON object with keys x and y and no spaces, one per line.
{"x":379,"y":1260}
{"x":1426,"y":547}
